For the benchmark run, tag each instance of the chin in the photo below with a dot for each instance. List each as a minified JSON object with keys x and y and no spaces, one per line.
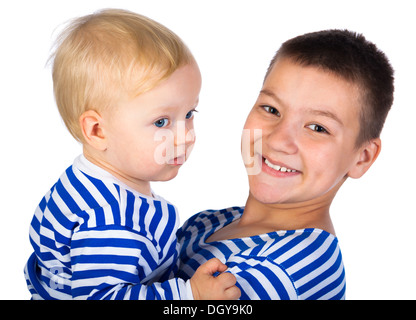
{"x":168,"y":175}
{"x":267,"y":199}
{"x":265,"y":194}
{"x":272,"y":194}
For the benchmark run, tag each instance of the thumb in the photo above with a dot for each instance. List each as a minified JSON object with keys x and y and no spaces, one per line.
{"x":212,"y":266}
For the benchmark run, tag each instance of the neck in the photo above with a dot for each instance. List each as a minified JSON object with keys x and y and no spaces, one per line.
{"x":310,"y":214}
{"x":140,"y":186}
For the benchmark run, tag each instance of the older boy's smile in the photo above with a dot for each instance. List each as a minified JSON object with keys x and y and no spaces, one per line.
{"x":279,"y":167}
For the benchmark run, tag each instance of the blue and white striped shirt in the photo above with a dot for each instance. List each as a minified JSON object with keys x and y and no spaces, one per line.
{"x":96,"y":238}
{"x":297,"y":264}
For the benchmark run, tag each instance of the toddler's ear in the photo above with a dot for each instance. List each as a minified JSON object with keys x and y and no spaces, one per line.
{"x":91,"y":124}
{"x":368,"y":153}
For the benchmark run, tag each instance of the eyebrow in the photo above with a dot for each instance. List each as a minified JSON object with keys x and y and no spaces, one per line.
{"x":170,"y":108}
{"x":318,"y":112}
{"x":272,"y":95}
{"x":327,"y":114}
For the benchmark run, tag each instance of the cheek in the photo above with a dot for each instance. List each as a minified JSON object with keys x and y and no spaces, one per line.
{"x":328,"y":166}
{"x":251,"y":150}
{"x":131,"y":146}
{"x":166,"y":146}
{"x":252,"y":134}
{"x":252,"y":121}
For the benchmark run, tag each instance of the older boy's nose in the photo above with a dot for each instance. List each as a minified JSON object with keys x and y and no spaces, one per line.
{"x":282,"y":138}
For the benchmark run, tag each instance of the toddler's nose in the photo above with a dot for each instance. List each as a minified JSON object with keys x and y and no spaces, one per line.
{"x":184,"y":135}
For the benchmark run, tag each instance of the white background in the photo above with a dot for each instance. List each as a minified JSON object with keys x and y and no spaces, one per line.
{"x":233,"y":42}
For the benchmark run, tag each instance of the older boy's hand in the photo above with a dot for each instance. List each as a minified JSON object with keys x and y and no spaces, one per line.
{"x":207,"y":287}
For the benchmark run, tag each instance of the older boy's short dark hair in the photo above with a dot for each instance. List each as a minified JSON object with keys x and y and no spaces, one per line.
{"x":353,"y":58}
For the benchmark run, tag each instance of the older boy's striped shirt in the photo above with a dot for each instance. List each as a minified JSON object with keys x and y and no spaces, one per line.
{"x":296,"y":264}
{"x":96,"y":238}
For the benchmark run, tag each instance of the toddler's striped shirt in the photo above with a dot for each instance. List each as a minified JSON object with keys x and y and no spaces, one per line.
{"x":96,"y":238}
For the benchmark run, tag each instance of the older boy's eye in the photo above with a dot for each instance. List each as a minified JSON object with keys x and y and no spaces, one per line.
{"x":271,"y":110}
{"x":161,"y":123}
{"x":317,"y":128}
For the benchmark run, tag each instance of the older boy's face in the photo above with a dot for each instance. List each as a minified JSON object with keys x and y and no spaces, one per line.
{"x":309,"y":121}
{"x":149,"y":137}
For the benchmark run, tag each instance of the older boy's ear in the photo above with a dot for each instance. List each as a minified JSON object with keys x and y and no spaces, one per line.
{"x":366,"y":157}
{"x":91,"y":124}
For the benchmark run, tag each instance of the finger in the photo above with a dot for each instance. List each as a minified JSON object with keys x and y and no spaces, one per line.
{"x":232,"y":293}
{"x":213,"y":265}
{"x":227,"y":279}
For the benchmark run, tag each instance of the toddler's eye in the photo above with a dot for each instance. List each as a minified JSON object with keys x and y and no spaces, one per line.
{"x":161,"y":123}
{"x":317,"y":128}
{"x":190,"y":114}
{"x":271,"y":110}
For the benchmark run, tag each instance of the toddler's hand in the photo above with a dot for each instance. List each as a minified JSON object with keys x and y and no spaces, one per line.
{"x":207,"y":287}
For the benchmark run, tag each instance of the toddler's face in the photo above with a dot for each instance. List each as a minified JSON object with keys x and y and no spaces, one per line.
{"x":149,"y":137}
{"x":309,"y":121}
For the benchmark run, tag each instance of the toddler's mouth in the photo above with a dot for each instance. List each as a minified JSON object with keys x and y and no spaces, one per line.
{"x":177,"y":160}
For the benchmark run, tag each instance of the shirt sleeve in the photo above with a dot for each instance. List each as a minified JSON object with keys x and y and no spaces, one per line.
{"x":261,"y":279}
{"x":117,"y":263}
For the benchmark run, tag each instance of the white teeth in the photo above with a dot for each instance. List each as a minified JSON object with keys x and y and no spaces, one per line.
{"x":278,"y":168}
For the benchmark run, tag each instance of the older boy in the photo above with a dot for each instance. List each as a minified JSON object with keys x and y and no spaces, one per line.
{"x":120,"y":80}
{"x":320,"y":112}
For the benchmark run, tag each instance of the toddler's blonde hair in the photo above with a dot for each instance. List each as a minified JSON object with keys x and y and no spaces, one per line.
{"x":102,"y":57}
